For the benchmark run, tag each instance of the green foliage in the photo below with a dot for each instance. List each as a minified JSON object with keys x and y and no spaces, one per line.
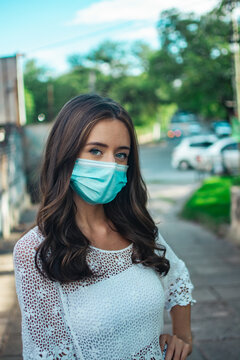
{"x":30,"y":106}
{"x":236,"y":181}
{"x":138,"y":97}
{"x":112,"y":56}
{"x":142,"y":53}
{"x":106,"y":70}
{"x":210,"y":204}
{"x":195,"y":52}
{"x":35,"y":83}
{"x":165,"y":112}
{"x":69,"y":85}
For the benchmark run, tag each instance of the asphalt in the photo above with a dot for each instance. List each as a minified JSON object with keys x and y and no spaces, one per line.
{"x":213,"y":263}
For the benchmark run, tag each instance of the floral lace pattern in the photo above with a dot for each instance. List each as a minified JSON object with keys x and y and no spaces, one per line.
{"x":117,"y":315}
{"x":44,"y":331}
{"x":150,"y":352}
{"x":179,"y":292}
{"x":177,"y":284}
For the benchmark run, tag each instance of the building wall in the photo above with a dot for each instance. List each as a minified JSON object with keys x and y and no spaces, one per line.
{"x":35,"y":138}
{"x":13,"y":193}
{"x":12,"y":105}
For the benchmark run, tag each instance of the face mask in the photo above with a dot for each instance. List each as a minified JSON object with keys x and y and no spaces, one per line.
{"x":98,"y":182}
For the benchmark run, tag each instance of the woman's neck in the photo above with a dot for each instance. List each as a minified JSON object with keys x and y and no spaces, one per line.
{"x":89,"y":217}
{"x":94,"y":224}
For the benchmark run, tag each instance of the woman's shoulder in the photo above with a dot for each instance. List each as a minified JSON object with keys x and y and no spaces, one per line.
{"x":27,"y":244}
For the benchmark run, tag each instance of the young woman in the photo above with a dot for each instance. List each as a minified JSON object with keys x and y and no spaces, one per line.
{"x":94,"y":275}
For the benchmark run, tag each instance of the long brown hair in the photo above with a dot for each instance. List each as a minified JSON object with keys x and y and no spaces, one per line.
{"x":64,"y":248}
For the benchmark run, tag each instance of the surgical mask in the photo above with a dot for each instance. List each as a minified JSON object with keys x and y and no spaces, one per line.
{"x":98,"y":182}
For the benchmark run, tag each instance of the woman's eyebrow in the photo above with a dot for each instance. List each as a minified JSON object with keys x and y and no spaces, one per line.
{"x":97,"y":143}
{"x":123,"y":147}
{"x":104,"y":145}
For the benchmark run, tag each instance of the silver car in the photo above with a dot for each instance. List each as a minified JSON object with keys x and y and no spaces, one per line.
{"x":184,"y":155}
{"x":231,"y":158}
{"x":220,"y":157}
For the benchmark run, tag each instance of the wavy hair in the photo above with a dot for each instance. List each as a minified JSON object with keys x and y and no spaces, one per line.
{"x":64,"y":247}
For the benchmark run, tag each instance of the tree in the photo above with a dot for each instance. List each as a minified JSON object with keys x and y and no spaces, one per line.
{"x":110,"y":57}
{"x":30,"y":106}
{"x":35,"y":83}
{"x":133,"y":89}
{"x":138,"y":96}
{"x":194,"y":64}
{"x":69,"y":85}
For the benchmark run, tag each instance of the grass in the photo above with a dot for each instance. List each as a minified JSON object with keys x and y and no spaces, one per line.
{"x":211,"y":203}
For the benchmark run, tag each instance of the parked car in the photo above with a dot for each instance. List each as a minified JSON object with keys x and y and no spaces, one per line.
{"x":183,"y":117}
{"x":215,"y":160}
{"x":222,"y":128}
{"x":231,"y":158}
{"x":194,"y":128}
{"x":185,"y":153}
{"x":183,"y":123}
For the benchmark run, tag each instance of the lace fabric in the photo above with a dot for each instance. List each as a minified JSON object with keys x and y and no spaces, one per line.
{"x":177,"y":284}
{"x":117,"y":315}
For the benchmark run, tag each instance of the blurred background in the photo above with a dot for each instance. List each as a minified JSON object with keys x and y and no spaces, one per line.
{"x":175,"y":68}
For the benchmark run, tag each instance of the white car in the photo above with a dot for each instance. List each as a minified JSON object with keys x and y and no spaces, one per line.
{"x":216,"y":159}
{"x":231,"y":158}
{"x":184,"y":155}
{"x":222,"y":128}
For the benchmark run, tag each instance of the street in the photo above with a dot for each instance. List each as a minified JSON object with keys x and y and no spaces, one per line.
{"x":156,"y":165}
{"x":213,"y":263}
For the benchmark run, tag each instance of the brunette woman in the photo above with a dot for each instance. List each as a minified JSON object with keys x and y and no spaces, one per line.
{"x":94,"y":274}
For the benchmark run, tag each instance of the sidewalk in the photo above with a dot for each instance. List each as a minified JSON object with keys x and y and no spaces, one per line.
{"x":10,"y":318}
{"x":214,"y":266}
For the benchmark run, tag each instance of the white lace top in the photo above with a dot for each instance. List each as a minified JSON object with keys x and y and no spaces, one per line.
{"x":117,"y":316}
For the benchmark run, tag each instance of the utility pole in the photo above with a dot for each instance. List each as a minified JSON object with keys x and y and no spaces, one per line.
{"x":50,"y":97}
{"x":231,"y":6}
{"x":236,"y":52}
{"x":234,"y":231}
{"x":92,"y":81}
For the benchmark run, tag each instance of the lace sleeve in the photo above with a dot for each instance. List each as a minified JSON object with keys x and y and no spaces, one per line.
{"x":177,"y":283}
{"x":45,"y":334}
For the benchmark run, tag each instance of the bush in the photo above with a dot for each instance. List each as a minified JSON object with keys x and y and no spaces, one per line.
{"x":211,"y":203}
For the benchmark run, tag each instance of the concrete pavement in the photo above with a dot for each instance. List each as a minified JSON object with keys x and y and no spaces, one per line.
{"x":214,"y":266}
{"x":10,"y":317}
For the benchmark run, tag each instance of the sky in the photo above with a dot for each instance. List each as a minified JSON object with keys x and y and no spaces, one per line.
{"x":51,"y":30}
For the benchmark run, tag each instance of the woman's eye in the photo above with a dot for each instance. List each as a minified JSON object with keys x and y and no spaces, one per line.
{"x":122,"y":156}
{"x":95,"y":152}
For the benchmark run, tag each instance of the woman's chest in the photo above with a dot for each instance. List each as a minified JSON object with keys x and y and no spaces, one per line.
{"x":120,"y":311}
{"x":132,"y":296}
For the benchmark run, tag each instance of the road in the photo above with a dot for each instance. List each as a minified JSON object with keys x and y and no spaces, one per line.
{"x":156,"y":165}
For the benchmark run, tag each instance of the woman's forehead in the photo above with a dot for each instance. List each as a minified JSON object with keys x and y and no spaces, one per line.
{"x":110,"y":131}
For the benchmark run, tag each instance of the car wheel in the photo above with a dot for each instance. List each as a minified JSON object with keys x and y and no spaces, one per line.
{"x":183,"y":165}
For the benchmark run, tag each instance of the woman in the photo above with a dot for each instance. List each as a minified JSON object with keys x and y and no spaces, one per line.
{"x":94,"y":275}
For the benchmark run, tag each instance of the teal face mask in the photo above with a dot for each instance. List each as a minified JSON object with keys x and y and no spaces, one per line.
{"x":98,"y":182}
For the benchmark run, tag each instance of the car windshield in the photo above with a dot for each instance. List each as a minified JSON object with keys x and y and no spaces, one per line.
{"x":203,"y":144}
{"x":222,"y":124}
